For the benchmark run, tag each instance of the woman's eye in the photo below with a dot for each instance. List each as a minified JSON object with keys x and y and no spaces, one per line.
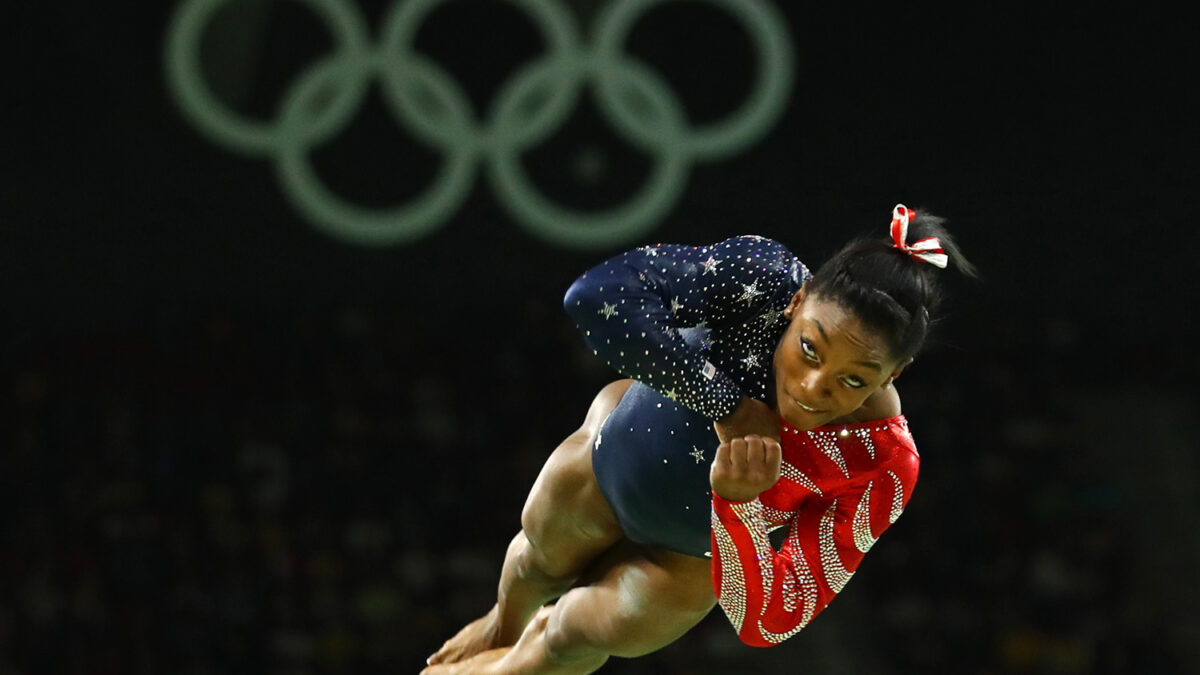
{"x":854,"y":382}
{"x":807,"y":348}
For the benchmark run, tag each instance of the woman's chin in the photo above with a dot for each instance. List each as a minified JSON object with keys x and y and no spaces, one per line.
{"x":803,"y":420}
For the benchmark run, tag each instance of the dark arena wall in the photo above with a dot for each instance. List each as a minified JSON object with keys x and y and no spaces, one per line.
{"x":283,"y":348}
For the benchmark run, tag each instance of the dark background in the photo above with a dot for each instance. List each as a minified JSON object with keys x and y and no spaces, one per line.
{"x":232,"y":443}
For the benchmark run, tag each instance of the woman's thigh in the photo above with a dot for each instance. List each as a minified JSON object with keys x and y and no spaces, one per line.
{"x":566,"y":519}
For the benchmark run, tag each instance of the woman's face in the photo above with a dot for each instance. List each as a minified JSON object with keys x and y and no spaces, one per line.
{"x":827,"y":363}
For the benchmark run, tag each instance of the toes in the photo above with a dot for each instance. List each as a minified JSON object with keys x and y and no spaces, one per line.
{"x":449,"y":652}
{"x":437,"y":657}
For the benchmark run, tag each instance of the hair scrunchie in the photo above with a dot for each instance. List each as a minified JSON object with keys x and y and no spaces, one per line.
{"x":927,"y":250}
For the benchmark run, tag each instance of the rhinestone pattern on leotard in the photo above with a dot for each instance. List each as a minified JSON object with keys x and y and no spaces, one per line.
{"x":697,"y":323}
{"x":836,"y":494}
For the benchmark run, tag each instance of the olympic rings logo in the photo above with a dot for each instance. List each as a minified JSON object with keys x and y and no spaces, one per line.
{"x":532,"y":105}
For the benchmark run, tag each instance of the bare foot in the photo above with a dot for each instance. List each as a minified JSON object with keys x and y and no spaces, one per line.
{"x":478,"y":636}
{"x":475,"y":665}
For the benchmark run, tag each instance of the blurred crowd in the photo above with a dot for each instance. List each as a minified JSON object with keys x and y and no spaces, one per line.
{"x":333,"y":493}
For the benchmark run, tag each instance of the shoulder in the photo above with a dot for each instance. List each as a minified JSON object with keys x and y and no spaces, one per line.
{"x":758,"y":255}
{"x":883,"y":404}
{"x":905,"y":463}
{"x":751,"y":243}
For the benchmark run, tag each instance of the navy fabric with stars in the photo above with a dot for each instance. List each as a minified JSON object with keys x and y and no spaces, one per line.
{"x":697,"y":327}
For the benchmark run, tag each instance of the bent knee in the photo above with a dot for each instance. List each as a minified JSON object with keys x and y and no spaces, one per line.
{"x":565,"y":647}
{"x":567,"y":523}
{"x":559,"y":564}
{"x":624,"y":629}
{"x":532,"y":564}
{"x":557,"y":527}
{"x":563,"y":642}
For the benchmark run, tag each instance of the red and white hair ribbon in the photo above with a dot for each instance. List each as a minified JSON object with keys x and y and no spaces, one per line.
{"x":927,"y":250}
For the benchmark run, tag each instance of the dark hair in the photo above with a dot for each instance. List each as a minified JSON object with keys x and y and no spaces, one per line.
{"x":892,"y":293}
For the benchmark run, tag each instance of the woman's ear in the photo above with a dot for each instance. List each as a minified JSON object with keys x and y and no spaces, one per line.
{"x":796,"y":301}
{"x":899,"y":369}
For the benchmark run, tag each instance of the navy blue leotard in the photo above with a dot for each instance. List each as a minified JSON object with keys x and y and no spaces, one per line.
{"x":697,"y":327}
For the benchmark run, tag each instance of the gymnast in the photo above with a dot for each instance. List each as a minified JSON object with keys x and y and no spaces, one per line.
{"x":760,"y":396}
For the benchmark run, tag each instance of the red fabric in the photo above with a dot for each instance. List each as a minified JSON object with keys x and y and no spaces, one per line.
{"x":927,"y":250}
{"x":841,"y":487}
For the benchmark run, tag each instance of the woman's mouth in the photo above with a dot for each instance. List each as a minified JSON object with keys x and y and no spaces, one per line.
{"x":805,"y":407}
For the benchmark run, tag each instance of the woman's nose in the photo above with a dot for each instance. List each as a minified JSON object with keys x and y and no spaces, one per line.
{"x":814,"y":385}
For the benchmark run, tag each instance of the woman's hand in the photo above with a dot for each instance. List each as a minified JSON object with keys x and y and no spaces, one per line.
{"x":745,"y":467}
{"x":751,"y":417}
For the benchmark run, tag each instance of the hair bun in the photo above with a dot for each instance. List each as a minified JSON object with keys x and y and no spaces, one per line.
{"x":893,"y":285}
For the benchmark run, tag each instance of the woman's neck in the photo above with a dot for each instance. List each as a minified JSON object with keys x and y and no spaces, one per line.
{"x":881,"y":405}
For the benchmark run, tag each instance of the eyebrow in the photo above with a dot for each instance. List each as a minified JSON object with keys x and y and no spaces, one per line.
{"x":870,"y":364}
{"x":822,"y":330}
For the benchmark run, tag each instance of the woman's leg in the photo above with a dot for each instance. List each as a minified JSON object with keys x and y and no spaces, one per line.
{"x":639,"y":601}
{"x":566,"y":524}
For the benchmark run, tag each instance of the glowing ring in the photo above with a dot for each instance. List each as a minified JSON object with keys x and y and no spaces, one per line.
{"x":768,"y":96}
{"x":429,"y":103}
{"x":351,"y":222}
{"x":212,"y":117}
{"x":591,"y":230}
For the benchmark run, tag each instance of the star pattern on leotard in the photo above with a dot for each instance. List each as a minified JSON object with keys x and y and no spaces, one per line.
{"x":608,"y":311}
{"x":751,"y":361}
{"x":771,"y":316}
{"x":697,"y":453}
{"x":701,"y":322}
{"x":749,"y":292}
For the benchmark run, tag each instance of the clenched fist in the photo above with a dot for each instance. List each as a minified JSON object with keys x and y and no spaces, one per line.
{"x":745,"y":467}
{"x":751,"y":417}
